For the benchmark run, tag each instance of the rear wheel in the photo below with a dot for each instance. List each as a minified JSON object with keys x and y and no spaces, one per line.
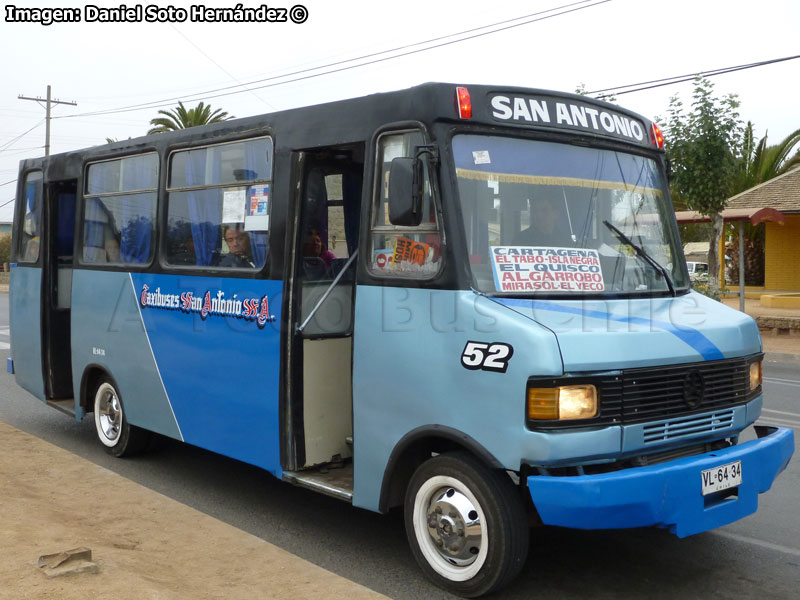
{"x":113,"y":430}
{"x":466,"y":525}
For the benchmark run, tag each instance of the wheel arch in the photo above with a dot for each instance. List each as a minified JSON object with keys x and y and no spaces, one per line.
{"x":92,"y":375}
{"x":418,"y":445}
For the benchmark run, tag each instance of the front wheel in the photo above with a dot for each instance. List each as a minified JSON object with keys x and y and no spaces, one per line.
{"x":119,"y":437}
{"x":466,"y":525}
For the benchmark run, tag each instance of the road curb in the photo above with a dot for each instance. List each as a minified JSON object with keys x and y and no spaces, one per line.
{"x":782,"y":357}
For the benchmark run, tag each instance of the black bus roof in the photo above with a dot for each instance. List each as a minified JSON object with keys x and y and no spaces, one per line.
{"x":356,"y":119}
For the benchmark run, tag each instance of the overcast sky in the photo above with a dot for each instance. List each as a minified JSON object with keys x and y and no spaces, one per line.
{"x":103,"y":66}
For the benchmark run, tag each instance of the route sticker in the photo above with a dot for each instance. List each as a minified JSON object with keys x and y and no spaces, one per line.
{"x":257,"y":217}
{"x":546,"y":268}
{"x":407,"y":250}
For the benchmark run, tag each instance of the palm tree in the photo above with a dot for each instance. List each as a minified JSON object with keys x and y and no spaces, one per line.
{"x":760,"y":163}
{"x":180,"y":118}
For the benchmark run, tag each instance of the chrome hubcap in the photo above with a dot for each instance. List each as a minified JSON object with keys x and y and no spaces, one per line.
{"x":454,"y":526}
{"x":110,"y":415}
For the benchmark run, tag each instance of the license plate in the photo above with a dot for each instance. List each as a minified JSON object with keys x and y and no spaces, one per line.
{"x":722,"y":478}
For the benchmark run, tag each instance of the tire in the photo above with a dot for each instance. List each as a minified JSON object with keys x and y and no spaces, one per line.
{"x":466,"y":525}
{"x":117,"y":436}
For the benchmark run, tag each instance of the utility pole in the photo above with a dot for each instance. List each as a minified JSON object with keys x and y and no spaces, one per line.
{"x":49,"y":101}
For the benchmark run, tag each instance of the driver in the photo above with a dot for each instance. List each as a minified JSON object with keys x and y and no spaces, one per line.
{"x":544,"y":229}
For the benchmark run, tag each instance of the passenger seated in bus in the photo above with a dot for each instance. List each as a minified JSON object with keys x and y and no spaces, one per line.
{"x":545,"y":227}
{"x":112,"y":250}
{"x":182,"y":250}
{"x":314,"y":247}
{"x":108,"y":252}
{"x":239,"y":252}
{"x":31,"y":248}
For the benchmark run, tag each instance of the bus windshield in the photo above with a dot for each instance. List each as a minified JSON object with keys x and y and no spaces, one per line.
{"x":552,"y":218}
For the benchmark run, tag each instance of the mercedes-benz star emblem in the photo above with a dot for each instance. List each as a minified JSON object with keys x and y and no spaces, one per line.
{"x":693,"y":389}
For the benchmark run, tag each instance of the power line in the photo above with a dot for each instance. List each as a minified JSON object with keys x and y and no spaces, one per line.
{"x":7,"y":182}
{"x":646,"y":85}
{"x":20,"y":136}
{"x":565,"y":9}
{"x":22,"y":149}
{"x":219,"y":66}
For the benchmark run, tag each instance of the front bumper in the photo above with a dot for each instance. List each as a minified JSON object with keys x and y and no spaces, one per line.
{"x":664,"y":495}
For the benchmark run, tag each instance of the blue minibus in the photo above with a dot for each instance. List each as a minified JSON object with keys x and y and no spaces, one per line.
{"x":470,"y":302}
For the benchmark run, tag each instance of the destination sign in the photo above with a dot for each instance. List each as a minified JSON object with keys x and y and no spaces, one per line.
{"x":565,"y":113}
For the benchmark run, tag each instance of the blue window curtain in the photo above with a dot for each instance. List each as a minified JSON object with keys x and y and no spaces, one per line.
{"x":254,"y":158}
{"x":137,"y":210}
{"x":204,"y":215}
{"x":123,"y":222}
{"x":30,"y":195}
{"x":96,"y":221}
{"x":137,"y":218}
{"x":33,"y":194}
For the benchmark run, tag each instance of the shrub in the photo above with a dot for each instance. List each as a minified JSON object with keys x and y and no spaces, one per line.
{"x":700,"y":284}
{"x":5,"y":248}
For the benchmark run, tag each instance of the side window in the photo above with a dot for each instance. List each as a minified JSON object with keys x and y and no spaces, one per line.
{"x":120,"y":210}
{"x":30,"y":235}
{"x":218,"y":205}
{"x":403,"y":251}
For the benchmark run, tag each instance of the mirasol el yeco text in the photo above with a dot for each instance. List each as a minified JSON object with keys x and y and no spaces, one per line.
{"x":148,"y":14}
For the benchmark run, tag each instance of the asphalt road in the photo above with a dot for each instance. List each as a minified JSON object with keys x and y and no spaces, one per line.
{"x":758,"y":557}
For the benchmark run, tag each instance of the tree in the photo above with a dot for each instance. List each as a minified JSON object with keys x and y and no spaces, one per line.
{"x":180,"y":118}
{"x":5,"y":248}
{"x":760,"y":163}
{"x":581,"y":91}
{"x":704,"y":147}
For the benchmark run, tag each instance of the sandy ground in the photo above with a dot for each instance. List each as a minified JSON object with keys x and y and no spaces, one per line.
{"x":147,"y":546}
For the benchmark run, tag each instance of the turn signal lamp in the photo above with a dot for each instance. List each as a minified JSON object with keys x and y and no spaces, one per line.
{"x":755,"y":375}
{"x":562,"y":403}
{"x":656,"y":137}
{"x":464,"y":103}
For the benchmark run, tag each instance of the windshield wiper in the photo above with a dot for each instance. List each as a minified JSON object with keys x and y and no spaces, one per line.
{"x":640,"y":252}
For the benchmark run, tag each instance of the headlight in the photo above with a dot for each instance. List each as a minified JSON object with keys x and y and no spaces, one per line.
{"x":562,"y":403}
{"x":755,"y":375}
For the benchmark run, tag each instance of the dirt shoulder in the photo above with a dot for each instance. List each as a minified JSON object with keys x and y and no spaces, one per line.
{"x":146,"y":545}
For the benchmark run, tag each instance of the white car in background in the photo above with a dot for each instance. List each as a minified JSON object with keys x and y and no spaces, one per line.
{"x":697,"y":269}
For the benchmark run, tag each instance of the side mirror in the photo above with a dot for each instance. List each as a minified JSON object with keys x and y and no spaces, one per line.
{"x":405,"y":192}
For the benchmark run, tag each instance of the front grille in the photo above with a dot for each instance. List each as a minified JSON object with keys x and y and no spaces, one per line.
{"x":656,"y":393}
{"x":687,"y":426}
{"x":666,"y":393}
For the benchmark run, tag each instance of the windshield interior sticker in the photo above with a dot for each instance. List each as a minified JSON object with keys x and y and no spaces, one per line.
{"x":407,"y":250}
{"x":233,"y":206}
{"x":481,"y":157}
{"x":382,"y":258}
{"x":257,"y":217}
{"x":546,"y":268}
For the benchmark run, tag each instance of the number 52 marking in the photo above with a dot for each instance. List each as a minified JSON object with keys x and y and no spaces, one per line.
{"x":487,"y":357}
